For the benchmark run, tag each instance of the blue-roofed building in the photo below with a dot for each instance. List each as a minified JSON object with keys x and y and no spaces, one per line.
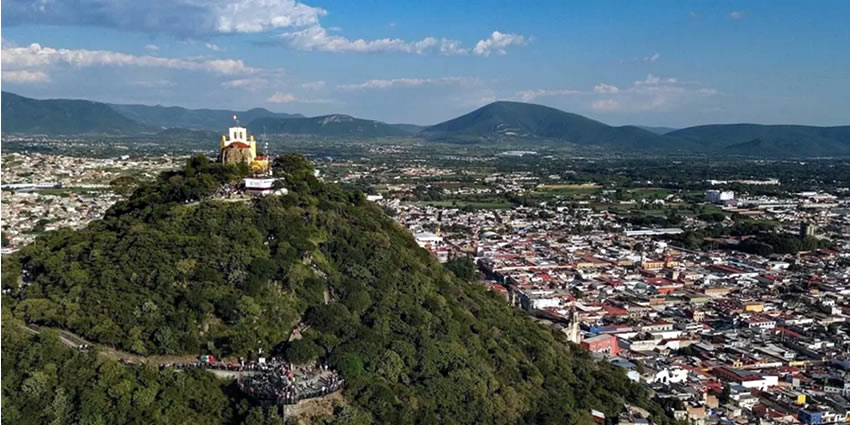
{"x":810,"y":417}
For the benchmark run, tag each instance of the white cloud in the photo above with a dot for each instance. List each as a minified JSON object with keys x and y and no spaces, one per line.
{"x":313,"y":85}
{"x":530,"y":95}
{"x":652,"y":81}
{"x":188,"y":19}
{"x":605,"y":88}
{"x":651,"y":93}
{"x":452,"y":48}
{"x":281,"y":97}
{"x":212,"y":46}
{"x":646,"y":59}
{"x":654,"y":93}
{"x":736,"y":15}
{"x":408,"y":82}
{"x":184,"y":18}
{"x":249,"y":16}
{"x":38,"y":57}
{"x":152,"y":47}
{"x":318,"y":38}
{"x":498,"y":43}
{"x":25,"y":77}
{"x":247,"y":83}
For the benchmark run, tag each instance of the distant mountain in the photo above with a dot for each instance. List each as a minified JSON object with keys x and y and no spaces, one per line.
{"x":326,"y":126}
{"x":769,"y":140}
{"x":658,"y":130}
{"x":64,"y":117}
{"x":204,"y":119}
{"x":498,"y":122}
{"x":529,"y":123}
{"x":409,"y":128}
{"x":524,"y":122}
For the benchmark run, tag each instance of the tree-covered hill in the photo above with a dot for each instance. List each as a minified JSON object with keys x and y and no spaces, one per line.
{"x":198,"y":119}
{"x":164,"y":273}
{"x":769,"y":140}
{"x":44,"y":382}
{"x":64,"y":117}
{"x":336,"y":125}
{"x":526,"y":122}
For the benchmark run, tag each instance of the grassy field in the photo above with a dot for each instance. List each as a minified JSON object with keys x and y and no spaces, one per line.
{"x":647,"y":192}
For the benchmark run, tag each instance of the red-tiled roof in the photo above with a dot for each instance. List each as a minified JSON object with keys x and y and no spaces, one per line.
{"x":726,"y":269}
{"x":237,"y":145}
{"x":614,"y":311}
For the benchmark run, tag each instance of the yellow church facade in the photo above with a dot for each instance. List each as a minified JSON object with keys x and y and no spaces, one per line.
{"x":238,"y":147}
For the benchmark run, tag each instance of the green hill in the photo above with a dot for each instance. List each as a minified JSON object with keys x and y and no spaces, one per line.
{"x":657,"y":129}
{"x":63,"y":117}
{"x":204,"y":119}
{"x":769,"y":140}
{"x":409,"y":128}
{"x":164,"y":274}
{"x":516,"y":121}
{"x":327,"y":126}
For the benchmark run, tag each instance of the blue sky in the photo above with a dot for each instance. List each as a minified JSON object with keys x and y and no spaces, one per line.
{"x":669,"y":63}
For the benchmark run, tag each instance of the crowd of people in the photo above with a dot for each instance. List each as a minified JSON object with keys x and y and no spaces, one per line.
{"x":241,"y":366}
{"x":280,"y":384}
{"x":273,"y":380}
{"x":229,"y":191}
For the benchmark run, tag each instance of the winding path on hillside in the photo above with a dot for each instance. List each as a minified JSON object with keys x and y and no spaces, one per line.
{"x":74,"y":341}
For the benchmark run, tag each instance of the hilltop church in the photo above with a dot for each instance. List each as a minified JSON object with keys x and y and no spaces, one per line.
{"x":237,"y":147}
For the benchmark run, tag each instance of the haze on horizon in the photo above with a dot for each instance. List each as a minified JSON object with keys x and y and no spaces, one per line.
{"x":665,"y":63}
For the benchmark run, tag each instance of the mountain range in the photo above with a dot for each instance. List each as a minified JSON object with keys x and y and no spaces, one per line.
{"x":62,"y":116}
{"x":516,"y":121}
{"x":499,"y":123}
{"x":519,"y":123}
{"x":195,"y":119}
{"x":336,"y":125}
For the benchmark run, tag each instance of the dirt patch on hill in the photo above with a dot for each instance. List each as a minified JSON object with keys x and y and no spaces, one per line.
{"x":308,"y":411}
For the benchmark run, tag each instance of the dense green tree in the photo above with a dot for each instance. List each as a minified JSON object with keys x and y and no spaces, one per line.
{"x":462,"y":267}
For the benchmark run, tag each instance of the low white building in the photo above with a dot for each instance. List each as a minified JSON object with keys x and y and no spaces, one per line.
{"x":262,"y":186}
{"x":428,"y":238}
{"x":719,"y":196}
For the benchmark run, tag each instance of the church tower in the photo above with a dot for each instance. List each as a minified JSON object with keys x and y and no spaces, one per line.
{"x":574,"y":333}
